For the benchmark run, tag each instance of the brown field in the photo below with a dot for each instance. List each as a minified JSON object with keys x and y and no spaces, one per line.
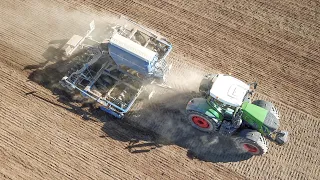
{"x":45,"y":135}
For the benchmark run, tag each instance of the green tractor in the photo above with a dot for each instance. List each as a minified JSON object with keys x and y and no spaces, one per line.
{"x":225,"y":107}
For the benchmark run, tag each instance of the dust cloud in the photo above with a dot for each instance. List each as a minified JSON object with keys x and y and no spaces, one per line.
{"x":163,"y":114}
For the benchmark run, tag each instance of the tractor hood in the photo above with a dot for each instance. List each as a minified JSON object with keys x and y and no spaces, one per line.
{"x":259,"y":118}
{"x":229,"y":90}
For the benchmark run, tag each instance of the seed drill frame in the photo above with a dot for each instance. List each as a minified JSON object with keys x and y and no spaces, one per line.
{"x":115,"y":70}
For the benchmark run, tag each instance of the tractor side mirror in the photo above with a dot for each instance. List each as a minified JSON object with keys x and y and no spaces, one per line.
{"x":254,"y":85}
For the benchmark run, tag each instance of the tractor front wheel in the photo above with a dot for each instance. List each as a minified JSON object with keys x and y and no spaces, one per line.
{"x":202,"y":122}
{"x":252,"y":141}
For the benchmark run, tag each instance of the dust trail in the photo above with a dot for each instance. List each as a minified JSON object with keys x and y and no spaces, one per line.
{"x":164,"y":114}
{"x":65,"y":21}
{"x":58,"y":22}
{"x":167,"y":106}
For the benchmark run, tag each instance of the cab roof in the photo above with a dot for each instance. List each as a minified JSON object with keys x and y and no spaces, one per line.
{"x":229,"y":90}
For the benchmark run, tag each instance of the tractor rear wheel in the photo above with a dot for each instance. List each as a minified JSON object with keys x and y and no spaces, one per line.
{"x":202,"y":122}
{"x":252,"y":141}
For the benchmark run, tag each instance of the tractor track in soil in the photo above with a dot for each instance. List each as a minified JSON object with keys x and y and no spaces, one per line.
{"x":276,"y":44}
{"x":44,"y":139}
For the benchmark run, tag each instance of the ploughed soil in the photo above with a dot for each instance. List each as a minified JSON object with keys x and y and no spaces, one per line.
{"x":48,"y":133}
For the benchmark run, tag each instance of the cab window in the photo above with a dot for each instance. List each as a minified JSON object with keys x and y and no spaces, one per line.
{"x":226,"y":110}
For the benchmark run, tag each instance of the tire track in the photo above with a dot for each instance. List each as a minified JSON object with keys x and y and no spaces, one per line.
{"x":57,"y":143}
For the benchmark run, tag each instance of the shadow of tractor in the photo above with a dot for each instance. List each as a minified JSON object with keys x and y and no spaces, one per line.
{"x":151,"y":124}
{"x":166,"y":117}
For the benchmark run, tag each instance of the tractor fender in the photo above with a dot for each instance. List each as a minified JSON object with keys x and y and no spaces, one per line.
{"x":200,"y":105}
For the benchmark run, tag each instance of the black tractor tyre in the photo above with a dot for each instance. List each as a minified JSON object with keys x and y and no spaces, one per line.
{"x":267,"y":106}
{"x":202,"y":122}
{"x":251,"y":141}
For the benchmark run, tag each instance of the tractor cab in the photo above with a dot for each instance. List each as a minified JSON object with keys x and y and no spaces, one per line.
{"x":226,"y":111}
{"x":229,"y":90}
{"x":224,"y":93}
